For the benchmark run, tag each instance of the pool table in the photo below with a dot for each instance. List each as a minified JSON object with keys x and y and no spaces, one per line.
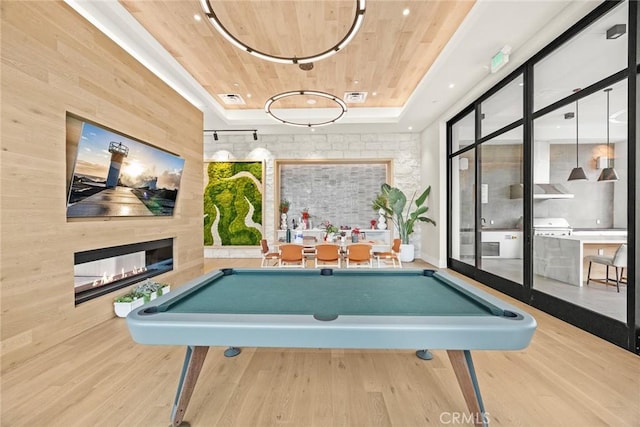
{"x":332,"y":308}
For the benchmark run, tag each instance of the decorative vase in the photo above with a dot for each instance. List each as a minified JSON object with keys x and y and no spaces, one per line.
{"x":382,"y":221}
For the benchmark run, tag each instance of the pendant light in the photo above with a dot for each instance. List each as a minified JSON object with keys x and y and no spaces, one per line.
{"x":608,"y":174}
{"x":577,"y":174}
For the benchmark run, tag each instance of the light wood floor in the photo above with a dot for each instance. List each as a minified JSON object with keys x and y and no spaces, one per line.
{"x":566,"y":377}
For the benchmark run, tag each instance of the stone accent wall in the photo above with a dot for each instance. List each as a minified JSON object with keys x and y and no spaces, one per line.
{"x":338,"y":193}
{"x":403,"y":149}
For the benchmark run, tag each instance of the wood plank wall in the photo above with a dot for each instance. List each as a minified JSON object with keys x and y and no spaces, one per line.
{"x":54,"y":62}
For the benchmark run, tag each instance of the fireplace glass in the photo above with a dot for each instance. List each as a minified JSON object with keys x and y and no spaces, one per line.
{"x":100,"y":271}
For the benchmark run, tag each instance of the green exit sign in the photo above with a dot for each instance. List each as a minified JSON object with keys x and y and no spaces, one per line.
{"x":500,"y":59}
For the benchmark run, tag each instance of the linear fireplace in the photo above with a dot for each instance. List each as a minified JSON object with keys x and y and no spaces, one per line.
{"x":100,"y":271}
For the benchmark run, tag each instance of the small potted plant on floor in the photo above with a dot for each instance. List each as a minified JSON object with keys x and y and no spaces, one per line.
{"x":151,"y":290}
{"x":124,"y":304}
{"x":143,"y":293}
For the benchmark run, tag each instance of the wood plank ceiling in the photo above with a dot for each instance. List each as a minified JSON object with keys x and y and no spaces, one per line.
{"x":387,"y":58}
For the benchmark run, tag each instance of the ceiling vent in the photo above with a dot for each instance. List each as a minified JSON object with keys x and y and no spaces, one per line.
{"x":231,"y":98}
{"x":355,"y":97}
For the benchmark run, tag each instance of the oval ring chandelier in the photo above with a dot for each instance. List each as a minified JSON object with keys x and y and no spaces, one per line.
{"x":274,"y":98}
{"x":355,"y":26}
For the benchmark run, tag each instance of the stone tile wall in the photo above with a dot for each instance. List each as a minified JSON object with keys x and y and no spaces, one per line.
{"x":338,"y":193}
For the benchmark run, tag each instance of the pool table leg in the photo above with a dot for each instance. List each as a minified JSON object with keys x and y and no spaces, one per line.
{"x":424,"y":354}
{"x":193,"y":361}
{"x":466,"y":375}
{"x":232,"y":352}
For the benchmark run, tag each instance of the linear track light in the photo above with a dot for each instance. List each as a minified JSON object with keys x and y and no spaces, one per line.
{"x":216,"y":131}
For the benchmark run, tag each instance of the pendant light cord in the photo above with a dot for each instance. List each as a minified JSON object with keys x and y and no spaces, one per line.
{"x":576,"y":133}
{"x":608,"y":152}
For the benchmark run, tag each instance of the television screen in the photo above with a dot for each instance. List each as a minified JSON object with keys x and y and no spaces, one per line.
{"x":117,"y":175}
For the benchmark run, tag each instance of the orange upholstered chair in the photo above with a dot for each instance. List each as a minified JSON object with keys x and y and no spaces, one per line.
{"x":391,"y":255}
{"x":268,"y":256}
{"x":291,"y":255}
{"x":359,"y":255}
{"x":327,"y":255}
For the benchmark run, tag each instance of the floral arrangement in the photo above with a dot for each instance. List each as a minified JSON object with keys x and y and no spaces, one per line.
{"x":305,"y":213}
{"x":373,"y":223}
{"x":356,"y":230}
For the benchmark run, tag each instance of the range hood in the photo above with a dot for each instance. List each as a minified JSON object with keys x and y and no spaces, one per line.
{"x":541,"y":175}
{"x":541,"y":191}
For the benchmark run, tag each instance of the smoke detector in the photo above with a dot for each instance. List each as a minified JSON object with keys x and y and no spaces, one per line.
{"x":355,"y":97}
{"x":231,"y":98}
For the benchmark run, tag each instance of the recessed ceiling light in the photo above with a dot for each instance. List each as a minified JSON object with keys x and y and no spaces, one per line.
{"x":406,"y":12}
{"x":236,"y":84}
{"x":374,"y":94}
{"x":249,"y":95}
{"x":313,"y":129}
{"x":311,"y":101}
{"x":452,"y":85}
{"x":410,"y":128}
{"x":197,"y":17}
{"x":355,"y":82}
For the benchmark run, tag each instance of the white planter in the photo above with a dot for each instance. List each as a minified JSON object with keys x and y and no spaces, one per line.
{"x":407,"y":252}
{"x":124,"y":308}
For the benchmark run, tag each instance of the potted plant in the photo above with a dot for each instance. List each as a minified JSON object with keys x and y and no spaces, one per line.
{"x":143,"y":293}
{"x":284,"y":206}
{"x":330,"y":230}
{"x":151,"y":290}
{"x":123,"y":304}
{"x":393,"y":202}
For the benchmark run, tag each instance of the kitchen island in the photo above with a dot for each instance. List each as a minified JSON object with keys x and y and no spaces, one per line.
{"x":562,"y":257}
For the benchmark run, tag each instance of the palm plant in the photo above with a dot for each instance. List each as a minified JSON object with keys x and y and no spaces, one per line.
{"x":393,"y":202}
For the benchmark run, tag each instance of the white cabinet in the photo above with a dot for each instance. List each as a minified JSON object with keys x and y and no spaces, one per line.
{"x":314,"y":233}
{"x":502,"y":244}
{"x":379,"y":236}
{"x":383,"y":236}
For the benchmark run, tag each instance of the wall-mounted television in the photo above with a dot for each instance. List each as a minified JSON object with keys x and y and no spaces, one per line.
{"x":114,"y":175}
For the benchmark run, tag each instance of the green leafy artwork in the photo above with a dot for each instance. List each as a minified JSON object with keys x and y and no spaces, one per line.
{"x":233,"y":204}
